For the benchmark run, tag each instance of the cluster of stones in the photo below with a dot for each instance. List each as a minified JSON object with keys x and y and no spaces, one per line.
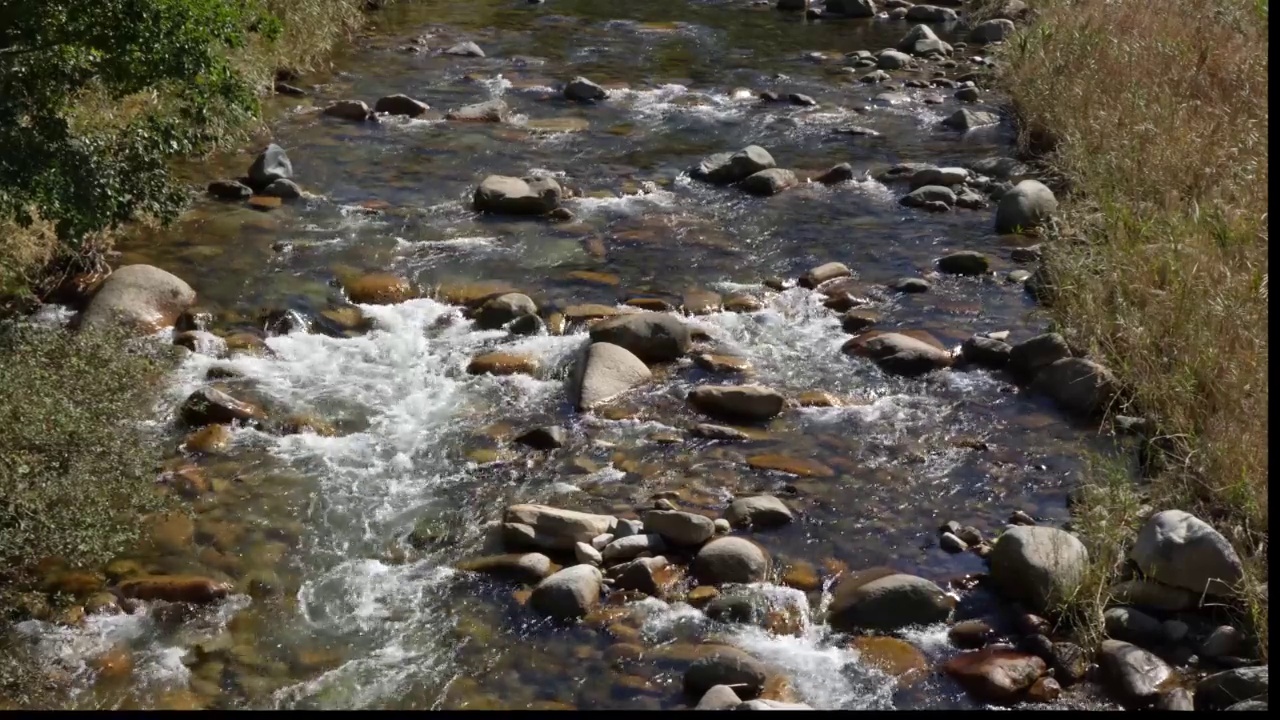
{"x":268,"y":183}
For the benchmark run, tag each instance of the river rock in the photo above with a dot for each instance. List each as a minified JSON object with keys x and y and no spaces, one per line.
{"x":581,"y":89}
{"x":995,"y":675}
{"x":730,"y":560}
{"x":1152,"y":595}
{"x":864,"y":601}
{"x":1175,"y":699}
{"x":679,"y":528}
{"x":990,"y":31}
{"x":1179,"y":549}
{"x":836,"y":174}
{"x":518,"y":567}
{"x":965,"y":120}
{"x":1134,"y":674}
{"x":652,"y":337}
{"x":1044,"y":690}
{"x":719,"y":697}
{"x":852,"y":8}
{"x":629,"y":547}
{"x":271,"y":164}
{"x":502,"y":363}
{"x":1028,"y":205}
{"x":175,"y":588}
{"x":1079,"y":386}
{"x":1223,"y":690}
{"x":985,"y":351}
{"x":282,"y":189}
{"x":400,"y":105}
{"x":556,"y":528}
{"x":944,"y":176}
{"x":355,"y":110}
{"x":588,"y":554}
{"x":229,"y":190}
{"x":920,"y":197}
{"x":892,"y":656}
{"x":892,"y":60}
{"x":1132,"y":625}
{"x":465,"y":49}
{"x":1224,"y":641}
{"x":967,"y":94}
{"x":769,"y":182}
{"x":728,"y":168}
{"x":717,"y":432}
{"x":899,"y":354}
{"x":606,"y":371}
{"x":726,"y":666}
{"x":1038,"y":565}
{"x":754,"y":403}
{"x":930,"y":13}
{"x":964,"y":262}
{"x":140,"y":298}
{"x":568,"y":594}
{"x":517,"y":196}
{"x":639,"y":575}
{"x":544,"y":438}
{"x":758,"y":511}
{"x":1029,"y":357}
{"x":920,"y":40}
{"x":378,"y":289}
{"x":1070,"y":663}
{"x":503,"y":309}
{"x":855,"y":321}
{"x":494,"y":111}
{"x":208,"y":406}
{"x":970,"y":634}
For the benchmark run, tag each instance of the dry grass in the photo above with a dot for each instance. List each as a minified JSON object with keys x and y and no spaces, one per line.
{"x":1160,"y":265}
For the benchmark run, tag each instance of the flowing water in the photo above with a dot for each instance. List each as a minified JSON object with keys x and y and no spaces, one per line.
{"x":338,"y":606}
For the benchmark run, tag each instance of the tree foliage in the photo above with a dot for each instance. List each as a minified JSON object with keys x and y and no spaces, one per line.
{"x":53,"y":53}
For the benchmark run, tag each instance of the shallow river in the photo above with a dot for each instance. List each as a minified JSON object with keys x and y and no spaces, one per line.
{"x":339,"y":607}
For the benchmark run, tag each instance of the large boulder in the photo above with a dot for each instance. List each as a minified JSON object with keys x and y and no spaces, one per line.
{"x":726,"y":666}
{"x":769,"y":182}
{"x":921,"y":40}
{"x":503,"y":309}
{"x":875,"y":601}
{"x":556,"y":528}
{"x":930,"y":13}
{"x":1028,"y":205}
{"x":517,"y":196}
{"x":899,"y":354}
{"x":852,"y":8}
{"x":1029,"y":357}
{"x":1225,"y":689}
{"x":1077,"y":385}
{"x":1135,"y":675}
{"x":995,"y":675}
{"x":650,"y":336}
{"x":140,"y":298}
{"x":518,"y":567}
{"x":679,"y":528}
{"x":581,"y":89}
{"x":568,"y":594}
{"x":1038,"y":565}
{"x":1179,"y":549}
{"x":754,"y":403}
{"x":758,"y":511}
{"x":730,"y":560}
{"x":728,"y":168}
{"x":208,"y":406}
{"x":271,"y":164}
{"x":990,"y":31}
{"x":606,"y":371}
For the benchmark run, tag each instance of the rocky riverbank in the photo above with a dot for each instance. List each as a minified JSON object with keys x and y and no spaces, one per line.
{"x":712,"y":516}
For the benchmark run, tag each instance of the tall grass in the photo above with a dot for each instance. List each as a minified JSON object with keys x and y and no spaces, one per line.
{"x":1158,"y":116}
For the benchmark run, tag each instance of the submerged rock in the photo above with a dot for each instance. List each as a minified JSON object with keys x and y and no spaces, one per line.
{"x":494,"y":111}
{"x":726,"y":666}
{"x":568,"y":594}
{"x":229,"y":190}
{"x":754,"y":403}
{"x":175,"y":588}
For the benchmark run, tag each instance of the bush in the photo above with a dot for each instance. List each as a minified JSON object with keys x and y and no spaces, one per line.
{"x":77,"y":469}
{"x":1159,"y":122}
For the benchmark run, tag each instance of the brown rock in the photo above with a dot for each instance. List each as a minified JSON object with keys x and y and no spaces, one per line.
{"x":818,"y":398}
{"x":499,"y":363}
{"x":891,"y":656}
{"x":995,"y":675}
{"x":1044,"y":690}
{"x":264,"y":202}
{"x":115,"y":664}
{"x":379,"y":289}
{"x":175,"y":588}
{"x":802,"y":576}
{"x":210,"y":439}
{"x":794,"y":466}
{"x":721,"y":363}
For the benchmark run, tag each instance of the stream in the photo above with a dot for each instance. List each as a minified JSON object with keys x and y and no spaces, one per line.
{"x":342,"y":545}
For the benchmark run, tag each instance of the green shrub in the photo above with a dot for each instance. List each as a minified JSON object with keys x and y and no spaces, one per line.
{"x":77,"y":469}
